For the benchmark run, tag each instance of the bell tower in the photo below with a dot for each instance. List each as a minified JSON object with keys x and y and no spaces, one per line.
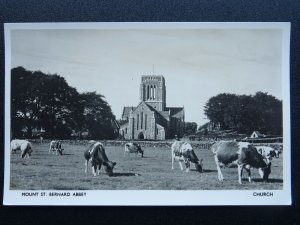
{"x":153,"y":91}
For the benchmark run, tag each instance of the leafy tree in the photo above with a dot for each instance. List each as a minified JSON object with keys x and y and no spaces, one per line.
{"x":98,"y":117}
{"x":46,"y":101}
{"x":190,"y":128}
{"x":246,"y":113}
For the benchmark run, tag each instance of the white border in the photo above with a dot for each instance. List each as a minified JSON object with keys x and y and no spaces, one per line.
{"x":143,"y":197}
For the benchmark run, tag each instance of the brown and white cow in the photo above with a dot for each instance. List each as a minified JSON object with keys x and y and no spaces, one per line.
{"x":183,"y":152}
{"x":95,"y":154}
{"x":133,"y":148}
{"x":55,"y":146}
{"x":268,"y":152}
{"x":23,"y":145}
{"x":244,"y":155}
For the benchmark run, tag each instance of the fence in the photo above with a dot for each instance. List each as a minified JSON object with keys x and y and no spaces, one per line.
{"x":206,"y":145}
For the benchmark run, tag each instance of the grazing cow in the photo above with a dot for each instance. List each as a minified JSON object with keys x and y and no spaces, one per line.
{"x":268,"y":152}
{"x":95,"y":153}
{"x":183,"y":152}
{"x":55,"y":146}
{"x":244,"y":155}
{"x":23,"y":145}
{"x":133,"y":148}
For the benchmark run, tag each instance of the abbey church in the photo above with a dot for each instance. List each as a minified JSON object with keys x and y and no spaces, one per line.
{"x":152,"y":119}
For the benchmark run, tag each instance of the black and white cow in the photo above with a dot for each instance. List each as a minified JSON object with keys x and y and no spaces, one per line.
{"x":183,"y":152}
{"x":268,"y":152}
{"x":244,"y":155}
{"x":55,"y":146}
{"x":95,"y":154}
{"x":133,"y":148}
{"x":23,"y":145}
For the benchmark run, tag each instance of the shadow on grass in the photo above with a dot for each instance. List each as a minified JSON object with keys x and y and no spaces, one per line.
{"x":209,"y":171}
{"x":258,"y":180}
{"x":67,"y":154}
{"x":125,"y":174}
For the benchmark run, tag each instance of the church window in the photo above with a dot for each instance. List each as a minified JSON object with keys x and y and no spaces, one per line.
{"x":151,"y":92}
{"x":156,"y":131}
{"x":142,"y":120}
{"x":154,"y":90}
{"x":126,"y":130}
{"x":148,"y":92}
{"x":137,"y":122}
{"x":145,"y":121}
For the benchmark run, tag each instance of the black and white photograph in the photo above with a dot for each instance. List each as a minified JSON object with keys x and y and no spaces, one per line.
{"x":147,"y":114}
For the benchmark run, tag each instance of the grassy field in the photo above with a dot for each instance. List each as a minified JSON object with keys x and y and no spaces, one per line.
{"x":45,"y":171}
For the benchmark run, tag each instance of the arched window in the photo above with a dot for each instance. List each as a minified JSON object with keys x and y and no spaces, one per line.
{"x":151,"y":93}
{"x":148,"y":91}
{"x":145,"y":121}
{"x":142,"y":120}
{"x":137,"y":121}
{"x":154,"y":92}
{"x":125,"y":130}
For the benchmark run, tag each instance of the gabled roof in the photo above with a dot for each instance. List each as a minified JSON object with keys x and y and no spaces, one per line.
{"x":126,"y":111}
{"x":177,"y":112}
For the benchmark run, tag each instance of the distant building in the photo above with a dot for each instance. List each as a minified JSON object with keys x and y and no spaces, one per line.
{"x":256,"y":134}
{"x":152,"y":119}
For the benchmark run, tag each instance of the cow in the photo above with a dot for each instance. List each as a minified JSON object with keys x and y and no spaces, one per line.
{"x":55,"y":146}
{"x":183,"y":152}
{"x":95,"y":154}
{"x":133,"y":148}
{"x":244,"y":155}
{"x":268,"y":152}
{"x":23,"y":145}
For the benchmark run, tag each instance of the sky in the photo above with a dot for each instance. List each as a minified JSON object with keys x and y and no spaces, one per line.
{"x":197,"y":63}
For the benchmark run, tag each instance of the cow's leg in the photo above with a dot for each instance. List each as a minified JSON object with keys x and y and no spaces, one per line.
{"x":56,"y":151}
{"x":247,"y":168}
{"x":98,"y":171}
{"x":180,"y":164}
{"x":86,"y":166}
{"x":240,"y":172}
{"x":220,"y":175}
{"x":50,"y":149}
{"x":94,"y":169}
{"x":124,"y":153}
{"x":173,"y":161}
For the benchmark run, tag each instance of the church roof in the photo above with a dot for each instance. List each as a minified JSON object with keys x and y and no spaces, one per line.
{"x":176,"y":112}
{"x":126,"y":111}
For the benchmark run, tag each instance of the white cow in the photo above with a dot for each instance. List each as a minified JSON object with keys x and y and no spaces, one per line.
{"x":183,"y":152}
{"x":55,"y":146}
{"x":244,"y":155}
{"x":23,"y":145}
{"x":133,"y":148}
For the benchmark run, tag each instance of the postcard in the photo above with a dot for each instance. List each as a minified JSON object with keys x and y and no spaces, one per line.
{"x":147,"y":114}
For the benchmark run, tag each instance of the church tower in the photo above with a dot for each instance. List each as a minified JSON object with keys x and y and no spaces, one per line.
{"x":153,"y":91}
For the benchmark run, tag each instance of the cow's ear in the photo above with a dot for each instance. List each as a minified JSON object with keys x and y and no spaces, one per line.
{"x":260,"y":151}
{"x":114,"y":163}
{"x":105,"y":164}
{"x":269,"y":165}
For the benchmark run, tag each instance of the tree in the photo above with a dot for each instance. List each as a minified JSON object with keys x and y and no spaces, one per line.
{"x":46,"y":101}
{"x":98,"y":117}
{"x":190,"y":128}
{"x":246,"y":113}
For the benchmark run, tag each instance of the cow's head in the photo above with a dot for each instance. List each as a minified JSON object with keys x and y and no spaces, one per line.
{"x":109,"y":166}
{"x":199,"y":165}
{"x":265,"y":172}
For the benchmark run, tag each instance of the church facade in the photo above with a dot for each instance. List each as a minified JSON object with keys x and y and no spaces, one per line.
{"x":151,"y":119}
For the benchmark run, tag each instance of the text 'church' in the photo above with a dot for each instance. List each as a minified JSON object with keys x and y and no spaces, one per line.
{"x":152,"y":119}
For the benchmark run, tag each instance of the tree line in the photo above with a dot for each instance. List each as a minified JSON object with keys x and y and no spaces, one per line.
{"x":46,"y":102}
{"x":246,"y":113}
